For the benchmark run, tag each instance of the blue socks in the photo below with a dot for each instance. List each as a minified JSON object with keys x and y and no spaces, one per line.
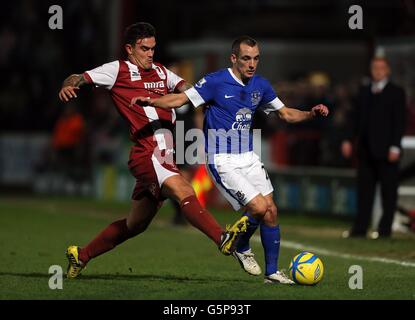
{"x":243,"y":244}
{"x":270,"y":238}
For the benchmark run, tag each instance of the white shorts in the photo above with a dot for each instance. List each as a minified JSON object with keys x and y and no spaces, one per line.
{"x":239,"y":177}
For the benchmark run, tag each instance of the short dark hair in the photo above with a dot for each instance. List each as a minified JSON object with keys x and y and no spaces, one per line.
{"x":139,"y":30}
{"x":236,"y":45}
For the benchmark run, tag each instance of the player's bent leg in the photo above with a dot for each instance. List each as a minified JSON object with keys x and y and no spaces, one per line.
{"x":255,"y":182}
{"x":180,"y":190}
{"x":177,"y":188}
{"x":141,"y":214}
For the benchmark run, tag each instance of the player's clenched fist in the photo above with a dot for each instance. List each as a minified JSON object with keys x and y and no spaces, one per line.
{"x":320,"y":109}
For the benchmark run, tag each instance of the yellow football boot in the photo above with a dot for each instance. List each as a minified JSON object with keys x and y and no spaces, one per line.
{"x":75,"y":266}
{"x":232,"y":235}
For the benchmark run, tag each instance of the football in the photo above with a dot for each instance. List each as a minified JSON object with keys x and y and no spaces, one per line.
{"x":306,"y":268}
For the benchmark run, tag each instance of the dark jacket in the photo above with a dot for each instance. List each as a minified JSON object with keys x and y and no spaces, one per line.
{"x":378,"y":120}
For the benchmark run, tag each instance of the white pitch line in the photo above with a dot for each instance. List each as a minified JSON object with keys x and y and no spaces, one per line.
{"x":330,"y":253}
{"x":299,"y":246}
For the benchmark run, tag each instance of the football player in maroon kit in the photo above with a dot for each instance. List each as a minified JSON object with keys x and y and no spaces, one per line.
{"x":156,"y":177}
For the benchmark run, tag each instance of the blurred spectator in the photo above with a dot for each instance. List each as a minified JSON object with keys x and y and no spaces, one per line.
{"x":335,"y":130}
{"x":305,"y":149}
{"x":378,"y":121}
{"x":68,"y":146}
{"x":106,"y":129}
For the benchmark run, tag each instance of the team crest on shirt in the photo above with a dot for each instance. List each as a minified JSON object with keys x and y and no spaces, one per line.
{"x":200,"y":83}
{"x":134,"y":73}
{"x":255,"y":98}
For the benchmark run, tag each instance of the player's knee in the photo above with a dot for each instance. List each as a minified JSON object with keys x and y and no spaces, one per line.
{"x":258,"y":208}
{"x":178,"y":189}
{"x":187,"y":191}
{"x":183,"y":192}
{"x":271,"y":216}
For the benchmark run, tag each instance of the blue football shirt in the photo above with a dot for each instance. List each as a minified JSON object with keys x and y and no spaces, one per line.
{"x":230,"y":108}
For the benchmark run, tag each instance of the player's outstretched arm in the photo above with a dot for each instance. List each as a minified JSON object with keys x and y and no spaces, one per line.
{"x":293,"y":115}
{"x":70,"y":84}
{"x":169,"y":101}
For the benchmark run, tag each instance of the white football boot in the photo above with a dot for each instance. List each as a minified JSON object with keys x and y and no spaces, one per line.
{"x":248,"y":263}
{"x":278,"y":277}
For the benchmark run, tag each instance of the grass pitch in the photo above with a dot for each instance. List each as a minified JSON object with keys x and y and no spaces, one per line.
{"x":172,"y":263}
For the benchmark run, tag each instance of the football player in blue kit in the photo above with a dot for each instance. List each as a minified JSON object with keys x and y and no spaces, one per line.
{"x":231,"y":97}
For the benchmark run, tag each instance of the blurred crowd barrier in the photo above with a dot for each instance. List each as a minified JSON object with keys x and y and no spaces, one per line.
{"x":305,"y":189}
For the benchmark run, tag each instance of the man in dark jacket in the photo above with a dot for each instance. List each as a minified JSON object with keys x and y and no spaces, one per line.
{"x":378,"y":123}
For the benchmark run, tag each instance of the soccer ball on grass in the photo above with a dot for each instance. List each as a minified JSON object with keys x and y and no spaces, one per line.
{"x":306,"y":268}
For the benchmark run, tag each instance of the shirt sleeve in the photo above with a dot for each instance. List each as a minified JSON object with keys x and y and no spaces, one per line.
{"x":173,"y":80}
{"x":105,"y":75}
{"x":270,"y":102}
{"x":202,"y":92}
